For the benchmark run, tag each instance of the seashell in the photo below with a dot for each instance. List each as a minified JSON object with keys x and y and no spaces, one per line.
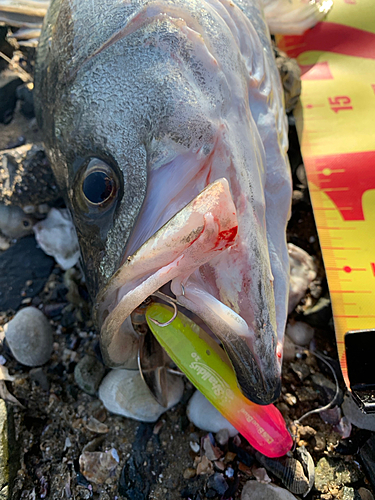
{"x":125,"y":393}
{"x":297,"y":474}
{"x":206,"y":417}
{"x":30,"y":337}
{"x":97,"y":466}
{"x":57,"y":237}
{"x":14,"y":223}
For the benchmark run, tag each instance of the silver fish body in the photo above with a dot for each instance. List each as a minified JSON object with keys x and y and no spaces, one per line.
{"x":165,"y":127}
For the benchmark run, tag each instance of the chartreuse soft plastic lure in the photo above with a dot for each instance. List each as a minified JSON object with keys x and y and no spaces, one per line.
{"x":207,"y":367}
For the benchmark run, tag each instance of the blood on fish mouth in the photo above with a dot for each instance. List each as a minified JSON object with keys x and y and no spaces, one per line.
{"x":205,"y":228}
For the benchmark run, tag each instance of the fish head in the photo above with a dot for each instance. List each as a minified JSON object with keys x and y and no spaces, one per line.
{"x":150,"y":134}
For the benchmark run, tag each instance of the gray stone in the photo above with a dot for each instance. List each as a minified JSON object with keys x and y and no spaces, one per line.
{"x":355,"y":415}
{"x":300,"y":333}
{"x":88,"y":374}
{"x":30,"y":337}
{"x":330,"y":471}
{"x":260,"y":491}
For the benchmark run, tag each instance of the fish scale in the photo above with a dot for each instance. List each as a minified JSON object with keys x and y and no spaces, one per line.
{"x":335,"y":124}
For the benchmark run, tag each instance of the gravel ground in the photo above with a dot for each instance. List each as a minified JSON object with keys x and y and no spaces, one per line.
{"x":55,"y":422}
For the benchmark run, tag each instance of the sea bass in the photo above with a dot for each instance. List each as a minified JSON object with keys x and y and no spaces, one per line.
{"x":165,"y":127}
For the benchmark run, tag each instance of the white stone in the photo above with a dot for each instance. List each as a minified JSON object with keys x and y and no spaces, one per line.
{"x":57,"y":237}
{"x":253,"y":490}
{"x":30,"y":337}
{"x":300,"y":333}
{"x":302,"y":273}
{"x":14,"y":223}
{"x":206,"y":417}
{"x":125,"y":393}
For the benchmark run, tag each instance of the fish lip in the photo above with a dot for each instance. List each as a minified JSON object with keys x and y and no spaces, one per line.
{"x":202,"y":230}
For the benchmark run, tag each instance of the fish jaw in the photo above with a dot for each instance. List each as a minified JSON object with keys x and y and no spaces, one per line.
{"x":205,"y":230}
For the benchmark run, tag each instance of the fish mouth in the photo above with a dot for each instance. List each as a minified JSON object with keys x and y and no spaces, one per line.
{"x":204,"y":231}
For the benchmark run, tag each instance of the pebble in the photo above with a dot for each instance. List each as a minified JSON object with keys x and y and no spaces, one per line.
{"x":14,"y":223}
{"x":326,"y":388}
{"x":253,"y":490}
{"x":206,"y":417}
{"x":30,"y":337}
{"x":205,"y":467}
{"x":218,"y":483}
{"x":57,"y":237}
{"x":319,"y":315}
{"x":94,"y":425}
{"x":320,"y":442}
{"x":38,"y":376}
{"x":125,"y":393}
{"x":302,"y":273}
{"x":88,"y":373}
{"x":365,"y":494}
{"x":211,"y":451}
{"x":189,"y":473}
{"x":355,"y":415}
{"x":97,"y":466}
{"x":300,"y":333}
{"x":334,"y":472}
{"x":290,"y":399}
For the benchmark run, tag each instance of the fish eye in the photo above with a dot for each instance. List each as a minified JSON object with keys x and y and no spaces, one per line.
{"x":99,"y":184}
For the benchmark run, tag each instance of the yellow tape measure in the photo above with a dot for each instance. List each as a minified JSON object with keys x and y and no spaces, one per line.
{"x":336,"y":128}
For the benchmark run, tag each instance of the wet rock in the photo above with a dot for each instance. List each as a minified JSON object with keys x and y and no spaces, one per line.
{"x":253,"y":490}
{"x":302,"y":273}
{"x":88,"y":374}
{"x":300,"y":333}
{"x":206,"y":417}
{"x":289,"y":349}
{"x":367,"y":454}
{"x":125,"y":393}
{"x":355,"y":416}
{"x":57,"y":237}
{"x":334,"y":472}
{"x":26,"y":178}
{"x":14,"y":223}
{"x":98,"y":466}
{"x":260,"y":474}
{"x":21,"y":263}
{"x":30,"y":337}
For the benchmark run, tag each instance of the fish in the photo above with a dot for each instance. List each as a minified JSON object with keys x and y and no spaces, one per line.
{"x":165,"y":127}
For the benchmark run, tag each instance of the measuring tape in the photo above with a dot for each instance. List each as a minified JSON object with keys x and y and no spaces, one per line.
{"x":336,"y":128}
